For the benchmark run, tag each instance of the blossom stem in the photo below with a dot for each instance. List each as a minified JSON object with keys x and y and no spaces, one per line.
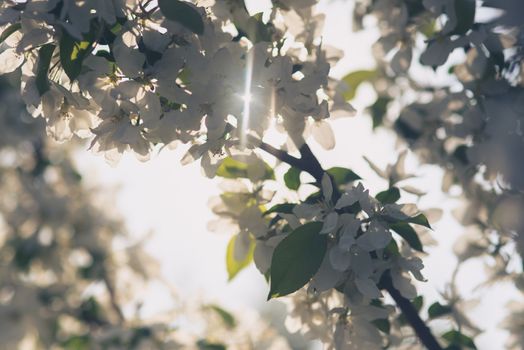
{"x":309,"y":163}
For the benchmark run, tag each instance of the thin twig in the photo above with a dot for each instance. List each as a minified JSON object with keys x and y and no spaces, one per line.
{"x":113,"y":299}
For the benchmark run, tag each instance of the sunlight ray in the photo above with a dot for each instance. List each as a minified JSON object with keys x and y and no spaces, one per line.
{"x":247,"y":98}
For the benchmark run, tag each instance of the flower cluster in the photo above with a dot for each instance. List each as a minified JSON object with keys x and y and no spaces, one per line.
{"x":70,"y":273}
{"x":134,"y":75}
{"x":469,"y":122}
{"x":335,"y":248}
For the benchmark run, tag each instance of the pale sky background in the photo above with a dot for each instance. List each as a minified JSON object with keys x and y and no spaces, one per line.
{"x":171,"y":201}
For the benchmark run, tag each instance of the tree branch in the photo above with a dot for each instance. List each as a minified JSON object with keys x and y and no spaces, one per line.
{"x":310,"y":164}
{"x":307,"y":161}
{"x":281,"y":155}
{"x":408,"y":310}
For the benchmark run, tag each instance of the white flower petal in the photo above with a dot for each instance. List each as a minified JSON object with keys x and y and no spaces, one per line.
{"x":345,"y":201}
{"x":326,"y":277}
{"x":323,"y":134}
{"x":339,"y":259}
{"x":327,"y":187}
{"x":368,"y":287}
{"x":306,"y":211}
{"x":330,"y":223}
{"x":241,"y":247}
{"x":10,"y":60}
{"x":403,"y":285}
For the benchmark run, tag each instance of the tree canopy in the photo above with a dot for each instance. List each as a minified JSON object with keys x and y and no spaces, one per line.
{"x":140,"y":75}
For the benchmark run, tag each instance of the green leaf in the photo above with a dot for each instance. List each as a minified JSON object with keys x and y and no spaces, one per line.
{"x":314,"y":197}
{"x":342,"y":176}
{"x":139,"y":334}
{"x":437,"y":309}
{"x":73,"y":53}
{"x":286,"y":208}
{"x":456,"y":338}
{"x":382,"y":324}
{"x":378,"y":110}
{"x":44,"y":61}
{"x":407,"y":232}
{"x":184,"y":13}
{"x":292,"y":178}
{"x":452,"y":347}
{"x":418,"y":302}
{"x":428,"y":28}
{"x":9,"y":30}
{"x":296,"y":259}
{"x":420,"y":219}
{"x":354,"y":79}
{"x":91,"y":311}
{"x":465,"y":12}
{"x":227,"y":317}
{"x":234,"y":169}
{"x":392,"y":249}
{"x":77,"y":342}
{"x":389,"y":196}
{"x":234,"y":266}
{"x":206,"y":345}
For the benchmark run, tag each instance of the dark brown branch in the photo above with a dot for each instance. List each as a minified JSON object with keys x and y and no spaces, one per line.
{"x":307,"y":161}
{"x":411,"y":314}
{"x":310,"y":164}
{"x":281,"y":155}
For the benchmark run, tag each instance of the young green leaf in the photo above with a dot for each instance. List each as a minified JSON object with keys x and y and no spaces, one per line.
{"x":73,"y":53}
{"x":392,"y":248}
{"x":418,"y":302}
{"x":207,"y":345}
{"x":184,"y":13}
{"x":437,"y":309}
{"x":389,"y":196}
{"x":44,"y":61}
{"x":419,"y":219}
{"x":407,"y":232}
{"x":233,"y":265}
{"x":234,"y":169}
{"x":379,"y":109}
{"x":354,"y":79}
{"x":77,"y":342}
{"x":382,"y":324}
{"x":342,"y":176}
{"x":292,"y":178}
{"x":296,"y":259}
{"x":457,"y":338}
{"x":226,"y":316}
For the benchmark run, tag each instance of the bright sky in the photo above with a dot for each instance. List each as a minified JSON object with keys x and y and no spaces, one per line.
{"x":170,"y":200}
